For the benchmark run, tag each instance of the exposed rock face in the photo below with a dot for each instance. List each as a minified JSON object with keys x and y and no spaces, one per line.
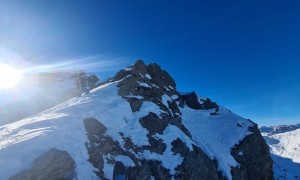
{"x":254,"y":158}
{"x":191,"y":100}
{"x":53,"y":165}
{"x":196,"y":165}
{"x":140,"y":83}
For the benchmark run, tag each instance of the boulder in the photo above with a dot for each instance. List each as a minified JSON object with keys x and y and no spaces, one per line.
{"x":52,"y":165}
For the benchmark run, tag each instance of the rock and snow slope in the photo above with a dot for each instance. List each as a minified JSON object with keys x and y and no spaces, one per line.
{"x":139,"y":118}
{"x":284,"y":142}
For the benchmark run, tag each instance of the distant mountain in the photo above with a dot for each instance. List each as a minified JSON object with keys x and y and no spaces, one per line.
{"x":284,"y":143}
{"x":140,"y":119}
{"x":279,"y":129}
{"x":41,"y":91}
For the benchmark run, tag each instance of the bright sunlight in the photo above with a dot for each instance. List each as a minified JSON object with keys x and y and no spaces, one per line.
{"x":9,"y":76}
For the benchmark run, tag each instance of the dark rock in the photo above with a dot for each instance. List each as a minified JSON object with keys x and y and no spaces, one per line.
{"x":252,"y":153}
{"x":135,"y":104}
{"x":52,"y":165}
{"x":191,"y":101}
{"x":147,"y":169}
{"x":156,"y":145}
{"x":153,"y":123}
{"x":196,"y":164}
{"x":208,"y":104}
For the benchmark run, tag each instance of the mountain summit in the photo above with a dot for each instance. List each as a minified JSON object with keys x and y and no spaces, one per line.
{"x":140,"y":119}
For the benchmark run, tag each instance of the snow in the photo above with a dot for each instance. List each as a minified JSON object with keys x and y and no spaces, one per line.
{"x":165,"y":98}
{"x":145,"y":85}
{"x":285,"y":152}
{"x":128,"y":69}
{"x":125,"y":160}
{"x":148,"y":76}
{"x":174,"y":97}
{"x":137,"y":97}
{"x":216,"y":143}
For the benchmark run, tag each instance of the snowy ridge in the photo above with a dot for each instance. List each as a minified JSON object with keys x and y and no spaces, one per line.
{"x":62,"y":127}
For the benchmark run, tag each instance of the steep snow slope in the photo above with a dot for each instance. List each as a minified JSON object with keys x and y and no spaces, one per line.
{"x":285,"y":151}
{"x":215,"y":134}
{"x":158,"y":132}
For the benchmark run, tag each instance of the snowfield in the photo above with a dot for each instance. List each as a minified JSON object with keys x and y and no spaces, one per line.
{"x":62,"y":127}
{"x":285,"y":152}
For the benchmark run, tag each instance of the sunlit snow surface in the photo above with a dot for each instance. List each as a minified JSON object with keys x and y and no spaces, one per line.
{"x":285,"y":151}
{"x":62,"y":127}
{"x":216,"y":135}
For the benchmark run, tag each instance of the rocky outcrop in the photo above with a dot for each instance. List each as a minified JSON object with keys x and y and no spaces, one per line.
{"x":253,"y":155}
{"x":196,"y":164}
{"x":53,"y":165}
{"x":139,"y":83}
{"x":192,"y":101}
{"x":84,"y":82}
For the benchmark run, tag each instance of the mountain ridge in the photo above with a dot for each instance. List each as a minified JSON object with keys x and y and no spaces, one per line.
{"x":138,"y":117}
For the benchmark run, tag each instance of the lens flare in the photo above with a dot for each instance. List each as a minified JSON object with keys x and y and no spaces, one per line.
{"x":9,"y":76}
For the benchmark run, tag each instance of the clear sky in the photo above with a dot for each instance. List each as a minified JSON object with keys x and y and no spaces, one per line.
{"x":242,"y":54}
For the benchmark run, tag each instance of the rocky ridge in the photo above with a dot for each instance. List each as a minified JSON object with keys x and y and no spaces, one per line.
{"x":154,"y":137}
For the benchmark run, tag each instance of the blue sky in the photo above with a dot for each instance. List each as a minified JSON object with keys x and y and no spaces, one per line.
{"x":243,"y":55}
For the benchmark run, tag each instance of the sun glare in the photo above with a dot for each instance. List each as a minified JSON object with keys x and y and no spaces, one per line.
{"x":9,"y":76}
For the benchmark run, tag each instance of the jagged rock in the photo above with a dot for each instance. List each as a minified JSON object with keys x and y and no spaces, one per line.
{"x":208,"y":104}
{"x":252,"y":153}
{"x":52,"y":165}
{"x":196,"y":164}
{"x":156,"y":83}
{"x":100,"y":145}
{"x":153,"y":123}
{"x":191,"y":101}
{"x":156,"y":145}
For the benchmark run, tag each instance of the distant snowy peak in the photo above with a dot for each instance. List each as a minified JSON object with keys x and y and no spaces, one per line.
{"x":284,"y":142}
{"x":279,"y":129}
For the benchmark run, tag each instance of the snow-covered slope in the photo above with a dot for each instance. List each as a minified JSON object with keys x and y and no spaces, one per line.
{"x":284,"y":142}
{"x":152,"y":135}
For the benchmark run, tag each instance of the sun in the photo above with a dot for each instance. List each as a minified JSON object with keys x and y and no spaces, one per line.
{"x":9,"y":76}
